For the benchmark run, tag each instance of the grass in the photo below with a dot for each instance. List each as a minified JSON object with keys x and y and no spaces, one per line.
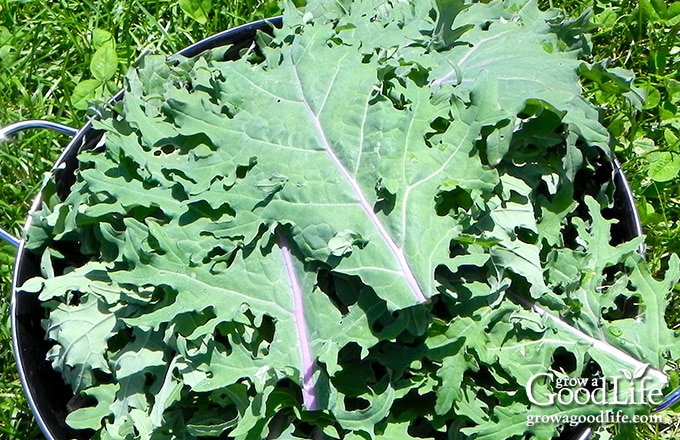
{"x":46,"y":53}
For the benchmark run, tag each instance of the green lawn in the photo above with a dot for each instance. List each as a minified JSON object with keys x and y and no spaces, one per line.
{"x":55,"y":54}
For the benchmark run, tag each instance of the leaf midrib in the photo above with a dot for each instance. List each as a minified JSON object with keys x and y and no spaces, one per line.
{"x":358,"y":192}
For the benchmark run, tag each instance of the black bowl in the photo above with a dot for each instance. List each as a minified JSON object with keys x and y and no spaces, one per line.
{"x":48,"y":396}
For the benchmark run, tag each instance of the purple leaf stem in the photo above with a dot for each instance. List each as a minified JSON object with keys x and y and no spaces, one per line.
{"x":308,"y":392}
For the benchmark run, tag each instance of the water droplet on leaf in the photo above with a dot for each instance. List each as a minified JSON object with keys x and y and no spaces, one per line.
{"x":615,"y":331}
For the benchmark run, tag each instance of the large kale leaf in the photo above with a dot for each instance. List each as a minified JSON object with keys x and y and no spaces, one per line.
{"x":380,"y":222}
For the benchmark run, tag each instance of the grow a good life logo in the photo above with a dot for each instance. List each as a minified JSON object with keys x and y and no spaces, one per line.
{"x":624,"y":389}
{"x":549,"y":390}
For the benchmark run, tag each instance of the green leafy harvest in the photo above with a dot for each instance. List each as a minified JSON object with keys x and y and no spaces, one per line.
{"x":377,"y":224}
